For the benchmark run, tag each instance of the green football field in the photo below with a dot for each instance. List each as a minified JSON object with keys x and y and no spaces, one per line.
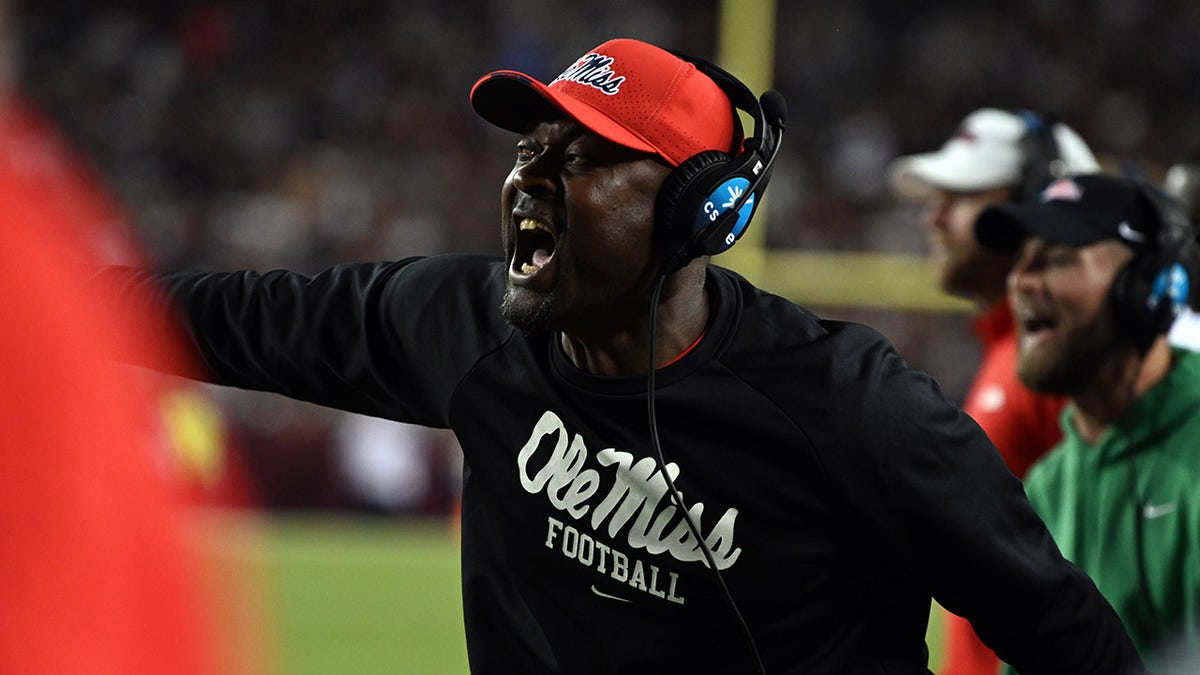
{"x":358,"y":596}
{"x":346,"y":595}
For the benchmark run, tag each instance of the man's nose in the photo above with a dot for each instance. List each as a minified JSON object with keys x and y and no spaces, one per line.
{"x":1022,"y":276}
{"x":936,"y":213}
{"x":534,"y":177}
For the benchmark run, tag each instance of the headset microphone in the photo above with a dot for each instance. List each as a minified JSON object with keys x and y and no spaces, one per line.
{"x":775,"y":109}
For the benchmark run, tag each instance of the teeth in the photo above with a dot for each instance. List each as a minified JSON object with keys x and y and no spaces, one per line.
{"x":531,"y":224}
{"x":539,"y":256}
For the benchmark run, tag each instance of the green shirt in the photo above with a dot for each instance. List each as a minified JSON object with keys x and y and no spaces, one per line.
{"x":1127,"y":510}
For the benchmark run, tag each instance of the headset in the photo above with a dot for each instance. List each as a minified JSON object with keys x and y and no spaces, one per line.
{"x":1041,"y":159}
{"x":706,"y":202}
{"x":1157,"y":285}
{"x":1147,"y":295}
{"x":703,"y":208}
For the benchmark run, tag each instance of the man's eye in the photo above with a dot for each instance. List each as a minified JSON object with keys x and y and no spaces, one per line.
{"x":524,"y":153}
{"x":1058,"y":258}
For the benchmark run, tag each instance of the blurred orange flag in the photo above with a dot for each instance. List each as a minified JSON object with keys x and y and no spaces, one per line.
{"x":100,"y":572}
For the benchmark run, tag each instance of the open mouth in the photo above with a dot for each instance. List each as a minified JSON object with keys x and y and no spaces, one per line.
{"x":534,"y":247}
{"x":1035,"y":326}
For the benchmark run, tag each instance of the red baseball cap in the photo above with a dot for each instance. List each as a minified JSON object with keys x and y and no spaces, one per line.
{"x":627,"y":91}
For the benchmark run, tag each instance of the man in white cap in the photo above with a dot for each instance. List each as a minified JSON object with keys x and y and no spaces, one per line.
{"x":994,"y":157}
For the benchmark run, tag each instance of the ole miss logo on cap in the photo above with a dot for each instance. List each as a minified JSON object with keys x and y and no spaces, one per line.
{"x":966,"y":134}
{"x":593,"y":70}
{"x":1063,"y":190}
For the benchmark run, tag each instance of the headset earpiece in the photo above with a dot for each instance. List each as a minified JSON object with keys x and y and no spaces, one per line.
{"x":1152,"y":290}
{"x":1148,"y":294}
{"x":674,"y":208}
{"x":707,"y":202}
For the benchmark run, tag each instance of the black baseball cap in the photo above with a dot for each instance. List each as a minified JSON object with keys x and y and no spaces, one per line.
{"x":1074,"y":211}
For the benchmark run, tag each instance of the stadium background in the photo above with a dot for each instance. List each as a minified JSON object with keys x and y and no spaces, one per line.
{"x":299,"y":134}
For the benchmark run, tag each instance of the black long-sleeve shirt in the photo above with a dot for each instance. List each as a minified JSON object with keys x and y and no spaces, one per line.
{"x":837,"y":488}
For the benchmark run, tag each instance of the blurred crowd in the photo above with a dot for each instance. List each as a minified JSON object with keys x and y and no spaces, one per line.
{"x":300,"y":134}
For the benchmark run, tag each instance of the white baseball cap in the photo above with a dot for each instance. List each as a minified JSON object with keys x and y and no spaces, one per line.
{"x":984,"y":153}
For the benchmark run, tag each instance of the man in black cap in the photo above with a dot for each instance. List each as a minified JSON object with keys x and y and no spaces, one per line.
{"x":1105,"y":265}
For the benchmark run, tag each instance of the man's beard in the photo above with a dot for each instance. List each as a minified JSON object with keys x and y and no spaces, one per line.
{"x":968,"y":276}
{"x":1076,"y":361}
{"x":527,"y":311}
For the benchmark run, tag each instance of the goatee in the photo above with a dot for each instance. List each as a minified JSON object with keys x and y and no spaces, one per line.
{"x":527,"y":311}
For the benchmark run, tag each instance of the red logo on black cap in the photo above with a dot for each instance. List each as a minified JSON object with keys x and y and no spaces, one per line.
{"x":1063,"y":190}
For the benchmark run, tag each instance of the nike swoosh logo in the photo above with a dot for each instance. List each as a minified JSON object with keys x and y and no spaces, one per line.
{"x":606,"y":595}
{"x":1152,"y":511}
{"x":1129,"y":234}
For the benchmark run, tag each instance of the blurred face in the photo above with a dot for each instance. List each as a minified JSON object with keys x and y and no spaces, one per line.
{"x":1065,"y":324}
{"x":577,"y":221}
{"x":964,"y":267}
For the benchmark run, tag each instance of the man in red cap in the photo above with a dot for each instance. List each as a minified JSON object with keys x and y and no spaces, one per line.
{"x":667,"y":469}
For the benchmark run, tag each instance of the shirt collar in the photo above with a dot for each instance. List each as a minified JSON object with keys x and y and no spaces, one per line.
{"x":1158,"y":411}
